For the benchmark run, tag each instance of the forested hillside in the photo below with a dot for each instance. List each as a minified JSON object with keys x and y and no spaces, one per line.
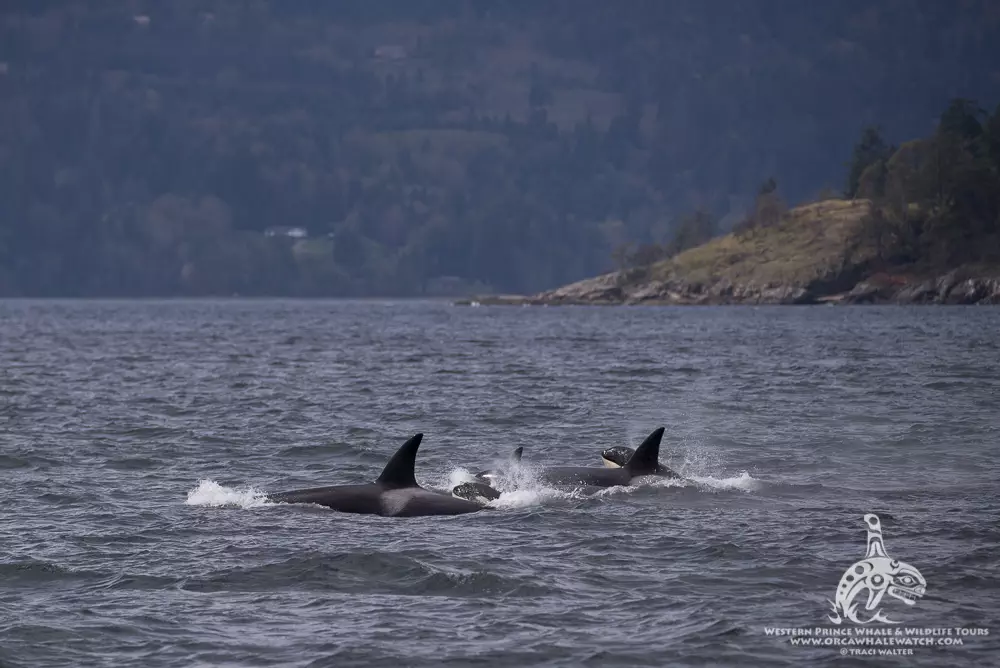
{"x":167,"y":148}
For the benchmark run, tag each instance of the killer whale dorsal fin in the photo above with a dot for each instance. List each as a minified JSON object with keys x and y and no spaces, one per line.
{"x":647,"y":455}
{"x":515,"y":456}
{"x":399,"y":471}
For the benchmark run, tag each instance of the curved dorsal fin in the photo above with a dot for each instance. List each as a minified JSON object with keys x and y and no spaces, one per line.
{"x":516,"y":455}
{"x":398,"y":472}
{"x":647,"y":456}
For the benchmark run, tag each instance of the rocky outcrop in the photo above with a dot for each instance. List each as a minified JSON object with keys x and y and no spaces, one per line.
{"x":616,"y":289}
{"x":952,"y":288}
{"x":955,"y":287}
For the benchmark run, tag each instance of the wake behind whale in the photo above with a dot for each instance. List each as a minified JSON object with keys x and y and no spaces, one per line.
{"x":522,"y":479}
{"x":643,"y":461}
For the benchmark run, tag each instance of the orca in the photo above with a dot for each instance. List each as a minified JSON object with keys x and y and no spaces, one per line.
{"x":645,"y":461}
{"x":489,"y":476}
{"x":617,"y":456}
{"x":394,"y":494}
{"x":475,"y":491}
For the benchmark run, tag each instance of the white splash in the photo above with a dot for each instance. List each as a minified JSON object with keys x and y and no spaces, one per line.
{"x":616,"y":490}
{"x":704,"y":466}
{"x":458,"y":476}
{"x":523,"y":498}
{"x":211,"y":493}
{"x":744,"y":482}
{"x":692,"y":460}
{"x":517,"y":484}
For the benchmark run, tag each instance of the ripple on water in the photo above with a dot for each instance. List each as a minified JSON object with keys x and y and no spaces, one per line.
{"x":35,"y":572}
{"x":30,"y":461}
{"x":134,"y":463}
{"x":365,"y":572}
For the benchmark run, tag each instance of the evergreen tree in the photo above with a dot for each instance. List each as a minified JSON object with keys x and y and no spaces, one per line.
{"x":869,"y":149}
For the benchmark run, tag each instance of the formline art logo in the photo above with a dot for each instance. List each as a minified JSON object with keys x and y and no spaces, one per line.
{"x":868,"y":580}
{"x":861,"y":622}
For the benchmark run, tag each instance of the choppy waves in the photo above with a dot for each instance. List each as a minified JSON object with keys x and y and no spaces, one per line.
{"x":140,"y":440}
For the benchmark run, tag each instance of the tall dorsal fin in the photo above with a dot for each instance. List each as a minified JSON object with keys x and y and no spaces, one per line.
{"x":647,"y":456}
{"x":398,"y":472}
{"x":515,"y":456}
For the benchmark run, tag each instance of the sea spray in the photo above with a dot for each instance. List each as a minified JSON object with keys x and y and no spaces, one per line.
{"x":211,"y":493}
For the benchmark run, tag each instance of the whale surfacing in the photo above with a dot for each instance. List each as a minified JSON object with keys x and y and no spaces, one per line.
{"x":475,"y":491}
{"x":395,"y":493}
{"x":489,"y":476}
{"x":644,"y":461}
{"x":618,"y":456}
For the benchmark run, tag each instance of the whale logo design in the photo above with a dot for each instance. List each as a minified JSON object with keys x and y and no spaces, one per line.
{"x":875,"y":575}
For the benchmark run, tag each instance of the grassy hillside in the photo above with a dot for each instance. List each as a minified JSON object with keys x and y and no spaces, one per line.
{"x":829,"y":251}
{"x":816,"y":246}
{"x":810,"y":243}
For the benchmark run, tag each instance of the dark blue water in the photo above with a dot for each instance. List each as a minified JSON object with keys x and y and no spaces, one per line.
{"x":136,"y":439}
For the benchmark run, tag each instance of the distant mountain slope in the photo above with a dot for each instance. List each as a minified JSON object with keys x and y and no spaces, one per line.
{"x":146,"y":147}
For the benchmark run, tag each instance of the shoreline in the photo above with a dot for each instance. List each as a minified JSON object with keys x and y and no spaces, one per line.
{"x":953,"y":288}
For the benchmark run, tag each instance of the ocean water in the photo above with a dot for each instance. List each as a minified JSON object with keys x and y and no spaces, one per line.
{"x":138,"y":440}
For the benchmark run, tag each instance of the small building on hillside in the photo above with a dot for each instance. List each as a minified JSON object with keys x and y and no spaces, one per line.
{"x":282,"y":231}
